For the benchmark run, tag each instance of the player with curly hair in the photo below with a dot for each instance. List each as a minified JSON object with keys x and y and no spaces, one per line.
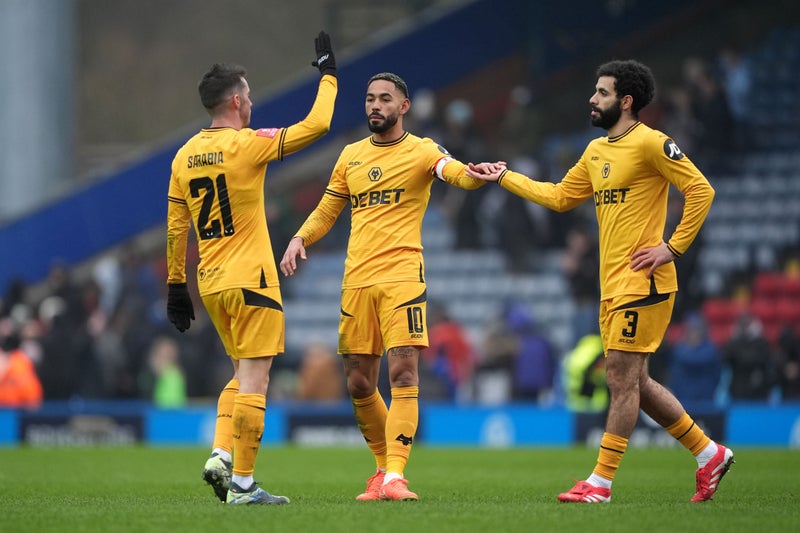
{"x":628,"y":174}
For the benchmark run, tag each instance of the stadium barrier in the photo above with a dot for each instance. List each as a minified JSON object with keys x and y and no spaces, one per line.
{"x":91,"y":423}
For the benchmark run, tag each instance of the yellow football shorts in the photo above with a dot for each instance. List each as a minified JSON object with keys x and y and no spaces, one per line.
{"x":635,"y":323}
{"x":383,"y":316}
{"x":250,"y":322}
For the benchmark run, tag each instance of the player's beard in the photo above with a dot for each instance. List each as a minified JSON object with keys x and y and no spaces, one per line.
{"x":244,"y":117}
{"x":606,"y":118}
{"x":382,"y":127}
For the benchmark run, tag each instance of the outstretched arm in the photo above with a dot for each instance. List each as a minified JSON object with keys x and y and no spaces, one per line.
{"x":486,"y":171}
{"x":457,"y":173}
{"x":570,"y":192}
{"x":318,"y":223}
{"x":318,"y":121}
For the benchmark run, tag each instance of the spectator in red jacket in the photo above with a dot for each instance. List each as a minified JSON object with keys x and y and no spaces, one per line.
{"x":19,"y":383}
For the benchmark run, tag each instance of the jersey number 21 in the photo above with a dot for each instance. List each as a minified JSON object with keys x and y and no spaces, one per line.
{"x":212,"y":190}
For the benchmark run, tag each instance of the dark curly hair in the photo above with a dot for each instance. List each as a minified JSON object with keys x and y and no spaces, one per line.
{"x":633,"y":78}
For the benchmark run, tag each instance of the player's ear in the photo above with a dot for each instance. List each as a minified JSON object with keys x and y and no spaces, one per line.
{"x":405,"y":106}
{"x":626,"y":102}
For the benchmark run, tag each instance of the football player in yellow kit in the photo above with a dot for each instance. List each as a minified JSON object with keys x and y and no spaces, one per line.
{"x":217,"y":184}
{"x":386,"y":179}
{"x":628,"y":174}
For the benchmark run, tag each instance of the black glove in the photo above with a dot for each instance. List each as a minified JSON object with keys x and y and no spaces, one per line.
{"x":325,"y":61}
{"x":179,"y":306}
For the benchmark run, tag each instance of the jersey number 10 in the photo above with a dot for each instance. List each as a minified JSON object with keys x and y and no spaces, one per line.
{"x":416,"y":323}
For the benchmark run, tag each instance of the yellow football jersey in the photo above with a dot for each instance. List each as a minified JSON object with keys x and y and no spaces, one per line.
{"x":628,"y":178}
{"x":217,"y":184}
{"x":388,"y":186}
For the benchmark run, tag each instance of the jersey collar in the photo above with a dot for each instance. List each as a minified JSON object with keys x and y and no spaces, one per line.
{"x":624,"y":133}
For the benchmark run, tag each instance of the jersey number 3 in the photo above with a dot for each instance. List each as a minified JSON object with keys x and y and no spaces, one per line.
{"x":212,"y":190}
{"x":630,"y":331}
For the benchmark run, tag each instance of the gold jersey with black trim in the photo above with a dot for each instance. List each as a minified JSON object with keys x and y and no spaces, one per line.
{"x":628,"y":177}
{"x":387,"y":186}
{"x":217,"y":184}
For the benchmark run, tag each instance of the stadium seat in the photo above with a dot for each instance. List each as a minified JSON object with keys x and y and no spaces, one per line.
{"x":791,"y":288}
{"x":787,"y":311}
{"x":764,"y":308}
{"x":721,"y":311}
{"x":768,"y":285}
{"x":720,"y":333}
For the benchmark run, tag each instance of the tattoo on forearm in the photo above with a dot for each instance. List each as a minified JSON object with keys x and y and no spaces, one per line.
{"x":350,"y":362}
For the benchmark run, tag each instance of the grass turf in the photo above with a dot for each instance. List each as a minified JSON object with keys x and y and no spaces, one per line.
{"x":159,"y":489}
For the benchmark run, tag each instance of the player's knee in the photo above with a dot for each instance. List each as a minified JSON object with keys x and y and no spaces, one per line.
{"x":359,"y":386}
{"x":619,"y":380}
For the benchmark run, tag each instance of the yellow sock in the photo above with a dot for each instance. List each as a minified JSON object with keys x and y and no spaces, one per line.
{"x":689,"y":434}
{"x":371,"y":418}
{"x":248,"y":426}
{"x":401,"y":425}
{"x":223,"y":431}
{"x":612,"y":448}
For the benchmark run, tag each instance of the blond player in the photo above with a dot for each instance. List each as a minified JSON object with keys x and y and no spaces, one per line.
{"x":217,"y":185}
{"x":386,"y":180}
{"x":628,"y":174}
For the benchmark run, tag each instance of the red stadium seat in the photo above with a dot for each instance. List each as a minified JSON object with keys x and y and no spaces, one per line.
{"x":721,"y":310}
{"x":768,"y":284}
{"x":791,"y":287}
{"x":787,"y":311}
{"x":674,"y":333}
{"x":764,"y":309}
{"x":720,"y":333}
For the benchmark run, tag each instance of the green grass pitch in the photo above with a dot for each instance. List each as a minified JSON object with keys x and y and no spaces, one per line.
{"x":146,"y":489}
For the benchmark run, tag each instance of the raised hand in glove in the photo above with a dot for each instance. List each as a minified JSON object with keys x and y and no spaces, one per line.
{"x":179,"y":306}
{"x":325,"y":61}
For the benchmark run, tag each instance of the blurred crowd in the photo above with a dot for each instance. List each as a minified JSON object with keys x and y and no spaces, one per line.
{"x":104,"y":334}
{"x":108,"y":338}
